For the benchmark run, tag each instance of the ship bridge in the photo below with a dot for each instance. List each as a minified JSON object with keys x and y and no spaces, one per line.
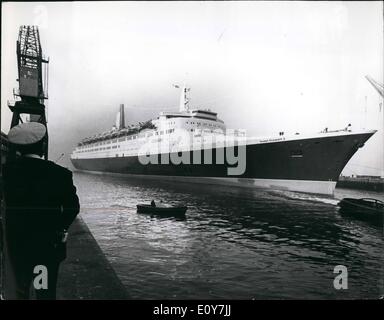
{"x":196,"y":113}
{"x":190,"y":120}
{"x":187,"y":118}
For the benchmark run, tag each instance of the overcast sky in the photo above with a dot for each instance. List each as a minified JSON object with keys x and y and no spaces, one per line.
{"x":263,"y":66}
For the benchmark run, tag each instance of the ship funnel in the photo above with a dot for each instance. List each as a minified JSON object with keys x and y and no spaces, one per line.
{"x":122,"y":117}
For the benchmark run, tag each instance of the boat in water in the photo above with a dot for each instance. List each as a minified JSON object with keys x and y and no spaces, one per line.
{"x":194,"y":145}
{"x":162,"y":209}
{"x":364,"y":209}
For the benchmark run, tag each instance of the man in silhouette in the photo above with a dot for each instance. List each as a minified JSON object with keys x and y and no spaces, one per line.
{"x":41,"y":203}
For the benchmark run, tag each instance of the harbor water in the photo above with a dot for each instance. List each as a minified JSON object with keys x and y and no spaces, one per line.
{"x":233,"y":243}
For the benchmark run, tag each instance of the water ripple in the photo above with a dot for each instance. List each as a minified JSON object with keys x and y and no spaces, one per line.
{"x":233,"y":243}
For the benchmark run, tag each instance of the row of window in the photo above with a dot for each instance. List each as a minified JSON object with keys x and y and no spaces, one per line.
{"x":133,"y":137}
{"x":162,"y":132}
{"x":209,"y":124}
{"x":99,"y":149}
{"x":87,"y":148}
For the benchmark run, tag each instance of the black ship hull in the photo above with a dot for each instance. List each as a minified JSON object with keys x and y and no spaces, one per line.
{"x":310,"y":165}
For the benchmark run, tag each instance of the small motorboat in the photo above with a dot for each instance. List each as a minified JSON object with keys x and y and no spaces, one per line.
{"x":161,"y":209}
{"x":365,"y":208}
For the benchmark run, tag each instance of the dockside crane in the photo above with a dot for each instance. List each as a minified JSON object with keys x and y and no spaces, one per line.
{"x":377,"y":85}
{"x":29,"y":99}
{"x":379,"y":88}
{"x":32,"y":79}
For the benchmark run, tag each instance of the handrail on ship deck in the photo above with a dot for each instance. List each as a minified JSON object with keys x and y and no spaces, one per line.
{"x":346,"y":129}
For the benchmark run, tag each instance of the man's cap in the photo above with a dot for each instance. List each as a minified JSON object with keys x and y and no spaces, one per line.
{"x":27,"y":133}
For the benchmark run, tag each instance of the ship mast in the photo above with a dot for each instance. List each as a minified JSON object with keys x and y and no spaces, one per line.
{"x":378,"y":86}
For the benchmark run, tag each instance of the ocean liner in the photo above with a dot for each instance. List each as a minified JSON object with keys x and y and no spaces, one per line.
{"x":193,"y":144}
